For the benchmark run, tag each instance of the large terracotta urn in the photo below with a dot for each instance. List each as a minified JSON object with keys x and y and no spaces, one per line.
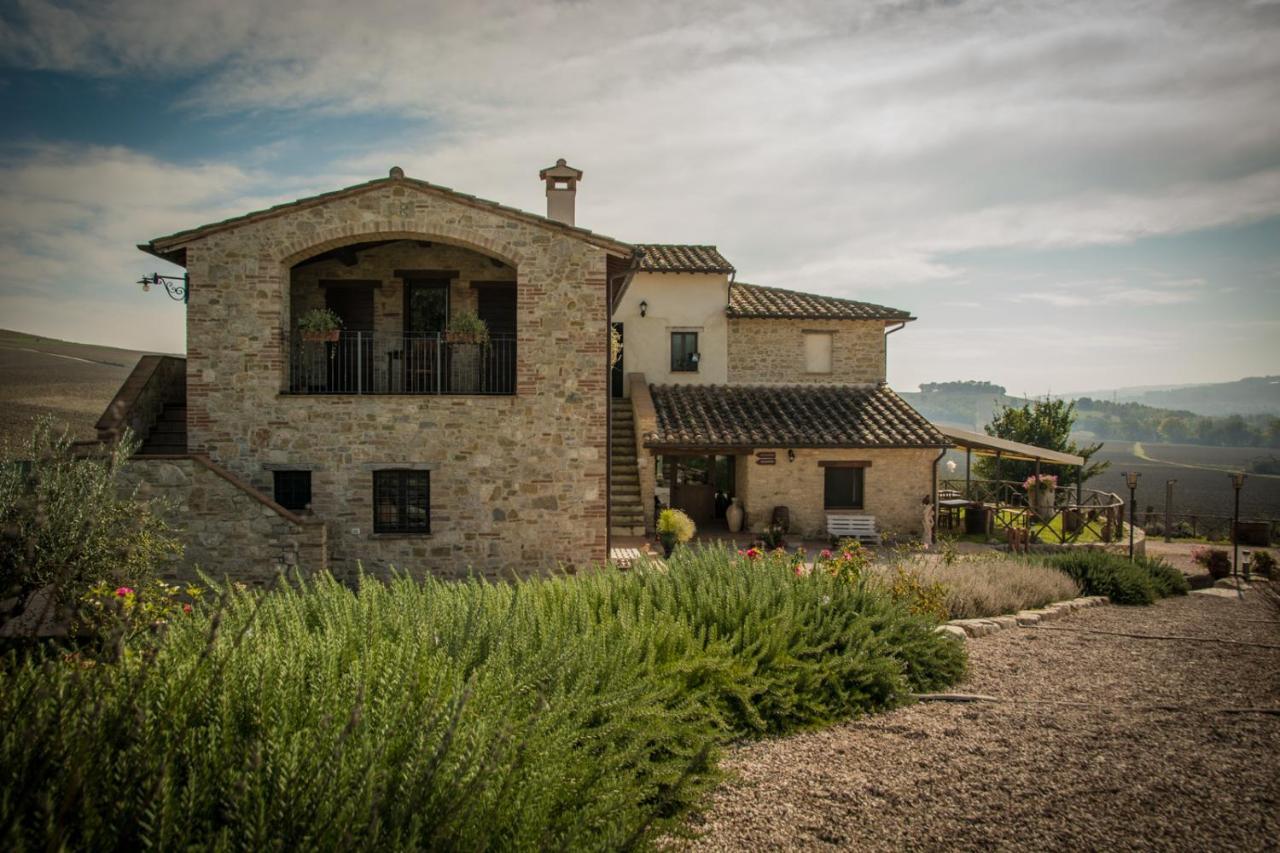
{"x":734,"y":515}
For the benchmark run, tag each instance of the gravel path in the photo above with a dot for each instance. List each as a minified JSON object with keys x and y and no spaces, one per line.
{"x":1115,"y":775}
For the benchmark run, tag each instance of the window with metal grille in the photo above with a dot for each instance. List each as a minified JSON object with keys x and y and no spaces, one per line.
{"x":843,"y":488}
{"x":401,"y":501}
{"x":684,"y":352}
{"x":293,"y":489}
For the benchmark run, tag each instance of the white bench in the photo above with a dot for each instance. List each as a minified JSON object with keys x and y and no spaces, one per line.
{"x":860,"y":527}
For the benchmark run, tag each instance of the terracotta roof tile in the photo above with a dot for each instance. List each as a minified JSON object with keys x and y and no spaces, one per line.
{"x":677,"y":257}
{"x":751,"y":416}
{"x":756,"y":301}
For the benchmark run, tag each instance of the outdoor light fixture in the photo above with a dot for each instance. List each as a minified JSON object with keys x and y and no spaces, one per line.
{"x":1131,"y":480}
{"x":174,"y":286}
{"x":644,"y":307}
{"x":1237,"y":483}
{"x":791,"y":456}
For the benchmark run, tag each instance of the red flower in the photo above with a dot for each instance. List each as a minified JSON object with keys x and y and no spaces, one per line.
{"x":186,"y":608}
{"x":123,"y":591}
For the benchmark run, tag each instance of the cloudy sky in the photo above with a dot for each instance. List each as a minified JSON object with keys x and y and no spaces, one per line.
{"x":1068,"y":195}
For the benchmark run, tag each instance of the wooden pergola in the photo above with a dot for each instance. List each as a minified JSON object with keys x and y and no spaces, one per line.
{"x":1003,"y":448}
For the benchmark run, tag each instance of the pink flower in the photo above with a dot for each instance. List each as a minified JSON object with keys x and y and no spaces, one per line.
{"x":122,"y":592}
{"x":741,"y":553}
{"x":186,"y":608}
{"x":826,"y":554}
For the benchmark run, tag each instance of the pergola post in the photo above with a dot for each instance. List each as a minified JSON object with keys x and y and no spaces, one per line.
{"x":968,"y":464}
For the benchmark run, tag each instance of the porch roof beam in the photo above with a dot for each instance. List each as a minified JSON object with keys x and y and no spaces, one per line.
{"x":989,"y":445}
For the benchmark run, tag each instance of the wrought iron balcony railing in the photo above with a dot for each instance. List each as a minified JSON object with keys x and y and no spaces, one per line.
{"x":409,"y":363}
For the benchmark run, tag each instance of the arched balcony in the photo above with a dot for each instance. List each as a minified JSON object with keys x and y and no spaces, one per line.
{"x":403,"y":307}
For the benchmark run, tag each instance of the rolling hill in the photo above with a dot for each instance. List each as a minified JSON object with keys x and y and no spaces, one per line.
{"x":72,"y":382}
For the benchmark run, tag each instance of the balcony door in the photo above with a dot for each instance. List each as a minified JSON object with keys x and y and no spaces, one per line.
{"x":426,"y":316}
{"x":496,"y":305}
{"x":351,"y":361}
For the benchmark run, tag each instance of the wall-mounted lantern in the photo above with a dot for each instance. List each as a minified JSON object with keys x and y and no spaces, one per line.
{"x":791,"y":455}
{"x":177,"y":291}
{"x":644,"y":307}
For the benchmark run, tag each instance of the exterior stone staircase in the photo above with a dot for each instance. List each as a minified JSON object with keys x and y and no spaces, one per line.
{"x":626,"y":515}
{"x":169,"y":435}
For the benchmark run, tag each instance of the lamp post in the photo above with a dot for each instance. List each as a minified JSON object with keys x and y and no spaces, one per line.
{"x":1131,"y":480}
{"x":1237,"y":483}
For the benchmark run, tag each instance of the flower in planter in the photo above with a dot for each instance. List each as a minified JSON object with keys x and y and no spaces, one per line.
{"x":1041,"y":482}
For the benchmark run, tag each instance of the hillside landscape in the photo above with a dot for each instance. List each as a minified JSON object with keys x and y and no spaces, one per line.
{"x":72,"y":382}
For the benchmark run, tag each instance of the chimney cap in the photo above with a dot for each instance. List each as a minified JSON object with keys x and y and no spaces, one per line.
{"x":561,"y":171}
{"x":396,"y":172}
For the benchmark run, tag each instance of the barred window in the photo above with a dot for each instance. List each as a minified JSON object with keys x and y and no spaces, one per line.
{"x":293,"y":489}
{"x":401,"y":501}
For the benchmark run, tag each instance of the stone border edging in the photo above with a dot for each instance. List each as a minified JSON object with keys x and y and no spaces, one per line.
{"x":963,"y":629}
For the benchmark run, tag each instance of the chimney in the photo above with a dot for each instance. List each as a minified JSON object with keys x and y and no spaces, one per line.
{"x":562,"y":186}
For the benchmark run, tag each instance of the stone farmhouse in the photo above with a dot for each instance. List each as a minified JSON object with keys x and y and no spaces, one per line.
{"x":404,"y":440}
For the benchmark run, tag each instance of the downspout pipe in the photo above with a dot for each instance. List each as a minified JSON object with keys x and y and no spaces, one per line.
{"x":934,"y":505}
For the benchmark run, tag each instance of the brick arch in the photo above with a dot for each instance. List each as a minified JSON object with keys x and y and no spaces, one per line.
{"x":336,"y":237}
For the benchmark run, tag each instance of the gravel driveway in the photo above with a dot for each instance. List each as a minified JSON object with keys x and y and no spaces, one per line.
{"x":1115,"y":774}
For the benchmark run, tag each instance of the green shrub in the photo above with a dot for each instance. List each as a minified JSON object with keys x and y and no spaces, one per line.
{"x":1140,"y":581}
{"x":579,"y":712}
{"x":1165,"y":578}
{"x":1263,"y":563}
{"x":1216,"y":560}
{"x":675,"y":523}
{"x":69,"y":521}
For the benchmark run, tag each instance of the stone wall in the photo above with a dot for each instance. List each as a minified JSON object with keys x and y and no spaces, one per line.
{"x":894,"y":487}
{"x":226,"y":529}
{"x":518,"y":483}
{"x":763,"y":352}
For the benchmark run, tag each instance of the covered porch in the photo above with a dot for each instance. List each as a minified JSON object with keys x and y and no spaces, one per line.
{"x":1064,"y":514}
{"x":399,"y":303}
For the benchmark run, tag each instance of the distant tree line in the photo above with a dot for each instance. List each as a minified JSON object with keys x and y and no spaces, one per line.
{"x":968,"y":386}
{"x":1136,"y":422}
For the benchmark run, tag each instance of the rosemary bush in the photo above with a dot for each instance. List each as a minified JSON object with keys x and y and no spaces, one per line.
{"x":577,"y":713}
{"x":1141,"y":581}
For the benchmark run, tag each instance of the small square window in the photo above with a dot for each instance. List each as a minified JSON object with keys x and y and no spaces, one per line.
{"x":843,"y":488}
{"x":401,"y":501}
{"x":293,"y":489}
{"x":684,"y":352}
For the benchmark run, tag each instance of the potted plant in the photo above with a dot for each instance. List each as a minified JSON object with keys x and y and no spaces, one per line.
{"x":1040,"y":494}
{"x":320,"y":324}
{"x":674,"y":527}
{"x":466,"y":334}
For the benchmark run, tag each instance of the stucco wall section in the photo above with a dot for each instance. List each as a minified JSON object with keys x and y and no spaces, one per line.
{"x":764,"y":352}
{"x":225,"y":532}
{"x":675,"y":302}
{"x":518,"y":483}
{"x":895,"y":486}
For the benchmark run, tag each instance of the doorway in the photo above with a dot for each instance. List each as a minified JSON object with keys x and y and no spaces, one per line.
{"x":702,"y":487}
{"x":617,"y":379}
{"x":496,"y":305}
{"x":351,"y":356}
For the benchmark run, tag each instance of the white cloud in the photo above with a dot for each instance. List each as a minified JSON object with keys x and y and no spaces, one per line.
{"x":854,"y":149}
